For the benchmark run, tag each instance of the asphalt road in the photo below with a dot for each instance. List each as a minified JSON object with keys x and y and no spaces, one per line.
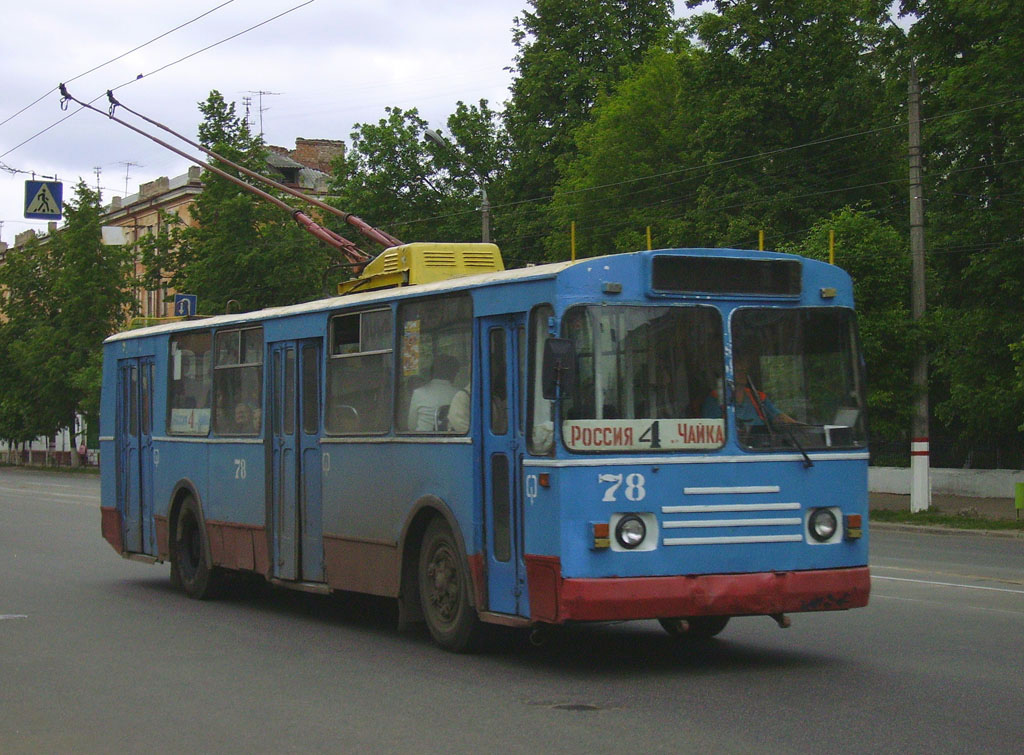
{"x":99,"y":654}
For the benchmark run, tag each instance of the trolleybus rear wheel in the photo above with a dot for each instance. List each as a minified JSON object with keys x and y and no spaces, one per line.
{"x":695,"y":627}
{"x":444,"y":590}
{"x":190,"y":567}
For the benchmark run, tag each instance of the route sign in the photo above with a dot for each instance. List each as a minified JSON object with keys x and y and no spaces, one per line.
{"x":44,"y":200}
{"x":185,"y":305}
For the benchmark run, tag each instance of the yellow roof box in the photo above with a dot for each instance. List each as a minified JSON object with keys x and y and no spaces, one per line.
{"x":424,"y":262}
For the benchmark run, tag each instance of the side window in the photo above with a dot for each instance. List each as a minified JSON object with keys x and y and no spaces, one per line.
{"x":540,"y":425}
{"x":238,"y":382}
{"x":499,"y":387}
{"x":435,"y":362}
{"x":146,"y":398}
{"x":359,"y":373}
{"x":189,"y":384}
{"x":310,"y":368}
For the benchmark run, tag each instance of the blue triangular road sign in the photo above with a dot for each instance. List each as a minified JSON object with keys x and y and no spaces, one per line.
{"x":44,"y":200}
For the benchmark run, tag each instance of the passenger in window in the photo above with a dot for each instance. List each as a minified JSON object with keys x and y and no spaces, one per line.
{"x":458,"y":412}
{"x":247,"y":419}
{"x":428,"y":399}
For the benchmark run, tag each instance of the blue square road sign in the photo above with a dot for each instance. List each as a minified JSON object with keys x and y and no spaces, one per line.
{"x":185,"y":305}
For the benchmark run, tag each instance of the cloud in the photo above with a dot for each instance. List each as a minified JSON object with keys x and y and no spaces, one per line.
{"x":332,"y":64}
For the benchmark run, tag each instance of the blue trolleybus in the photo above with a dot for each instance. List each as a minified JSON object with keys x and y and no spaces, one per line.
{"x":675,"y":434}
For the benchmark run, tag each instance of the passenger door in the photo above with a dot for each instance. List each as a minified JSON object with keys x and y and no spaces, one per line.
{"x":135,"y":452}
{"x":502,"y":347}
{"x":295,"y":500}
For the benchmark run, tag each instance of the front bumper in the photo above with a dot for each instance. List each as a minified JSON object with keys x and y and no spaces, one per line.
{"x":554,"y":599}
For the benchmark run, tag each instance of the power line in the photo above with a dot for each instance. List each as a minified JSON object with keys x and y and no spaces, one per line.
{"x":113,"y":60}
{"x":211,"y":46}
{"x":158,"y":70}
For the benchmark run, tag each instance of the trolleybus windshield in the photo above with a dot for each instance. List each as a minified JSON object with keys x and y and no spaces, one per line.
{"x":800,"y":371}
{"x":647,"y":379}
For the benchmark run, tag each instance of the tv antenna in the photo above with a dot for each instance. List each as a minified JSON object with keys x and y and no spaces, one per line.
{"x":127,"y":170}
{"x":259,"y":93}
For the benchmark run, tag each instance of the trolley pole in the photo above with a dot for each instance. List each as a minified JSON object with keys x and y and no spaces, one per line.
{"x":920,"y":489}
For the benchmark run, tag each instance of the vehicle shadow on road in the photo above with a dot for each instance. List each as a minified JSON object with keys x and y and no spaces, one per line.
{"x":630,"y":648}
{"x":606,"y":650}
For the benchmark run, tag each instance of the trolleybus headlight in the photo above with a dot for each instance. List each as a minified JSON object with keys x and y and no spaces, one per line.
{"x":822,"y":524}
{"x":630,"y":531}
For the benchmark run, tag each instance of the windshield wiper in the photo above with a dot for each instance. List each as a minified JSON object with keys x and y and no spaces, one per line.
{"x":771,"y":425}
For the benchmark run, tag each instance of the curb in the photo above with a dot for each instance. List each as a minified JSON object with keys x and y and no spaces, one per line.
{"x":935,"y":530}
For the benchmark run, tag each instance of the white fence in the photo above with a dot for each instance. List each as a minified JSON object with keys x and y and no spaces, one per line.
{"x":972,"y":483}
{"x":54,"y":451}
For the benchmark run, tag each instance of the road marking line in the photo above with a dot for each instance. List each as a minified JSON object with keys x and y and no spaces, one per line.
{"x":977,"y":577}
{"x":38,"y":491}
{"x":945,"y":604}
{"x":948,"y":584}
{"x":12,"y":616}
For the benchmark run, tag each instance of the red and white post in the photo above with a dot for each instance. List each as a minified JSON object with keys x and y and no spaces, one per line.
{"x":920,"y":487}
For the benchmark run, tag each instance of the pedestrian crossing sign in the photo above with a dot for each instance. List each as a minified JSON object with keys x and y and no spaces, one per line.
{"x":43,"y":200}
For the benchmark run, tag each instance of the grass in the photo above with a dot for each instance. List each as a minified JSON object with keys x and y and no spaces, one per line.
{"x":936,"y":518}
{"x":84,"y":469}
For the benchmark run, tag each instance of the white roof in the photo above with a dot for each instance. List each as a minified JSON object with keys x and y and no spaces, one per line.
{"x":319,"y":305}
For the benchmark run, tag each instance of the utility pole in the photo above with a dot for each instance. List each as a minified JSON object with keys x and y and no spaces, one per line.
{"x":247,"y":101}
{"x":920,"y":489}
{"x":259,"y":93}
{"x":485,"y":214}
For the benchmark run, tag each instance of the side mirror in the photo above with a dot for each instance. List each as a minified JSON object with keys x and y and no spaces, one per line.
{"x":559,"y":367}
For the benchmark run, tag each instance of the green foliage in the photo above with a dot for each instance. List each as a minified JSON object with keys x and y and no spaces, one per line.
{"x":418,"y":189}
{"x":766,"y":122}
{"x":969,"y":58}
{"x":776,"y":115}
{"x":242,"y":249}
{"x":63,"y":297}
{"x":568,"y":53}
{"x":877,"y":259}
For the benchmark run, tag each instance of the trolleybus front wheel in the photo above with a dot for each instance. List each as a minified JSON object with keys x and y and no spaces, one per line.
{"x":695,"y":627}
{"x":190,"y":567}
{"x":444,"y":590}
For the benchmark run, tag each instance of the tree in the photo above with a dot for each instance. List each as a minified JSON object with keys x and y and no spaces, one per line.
{"x":568,"y":53}
{"x":394,"y":177}
{"x":768,"y":121}
{"x":93,"y":290}
{"x":63,"y":298}
{"x":241,"y":248}
{"x":26,"y":306}
{"x":876,"y":257}
{"x":969,"y":57}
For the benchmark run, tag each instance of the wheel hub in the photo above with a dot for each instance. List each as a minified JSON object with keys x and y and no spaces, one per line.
{"x":444,"y":580}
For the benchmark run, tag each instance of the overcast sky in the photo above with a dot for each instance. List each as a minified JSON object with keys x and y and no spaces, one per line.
{"x":329,"y":63}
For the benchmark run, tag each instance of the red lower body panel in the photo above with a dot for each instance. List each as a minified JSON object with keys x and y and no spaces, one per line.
{"x":556,"y":599}
{"x":110,"y":526}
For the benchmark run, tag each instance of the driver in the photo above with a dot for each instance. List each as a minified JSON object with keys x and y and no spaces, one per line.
{"x":753,"y":407}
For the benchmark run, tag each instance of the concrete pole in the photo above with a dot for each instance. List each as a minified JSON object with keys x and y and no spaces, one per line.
{"x":920,"y":489}
{"x":485,"y":215}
